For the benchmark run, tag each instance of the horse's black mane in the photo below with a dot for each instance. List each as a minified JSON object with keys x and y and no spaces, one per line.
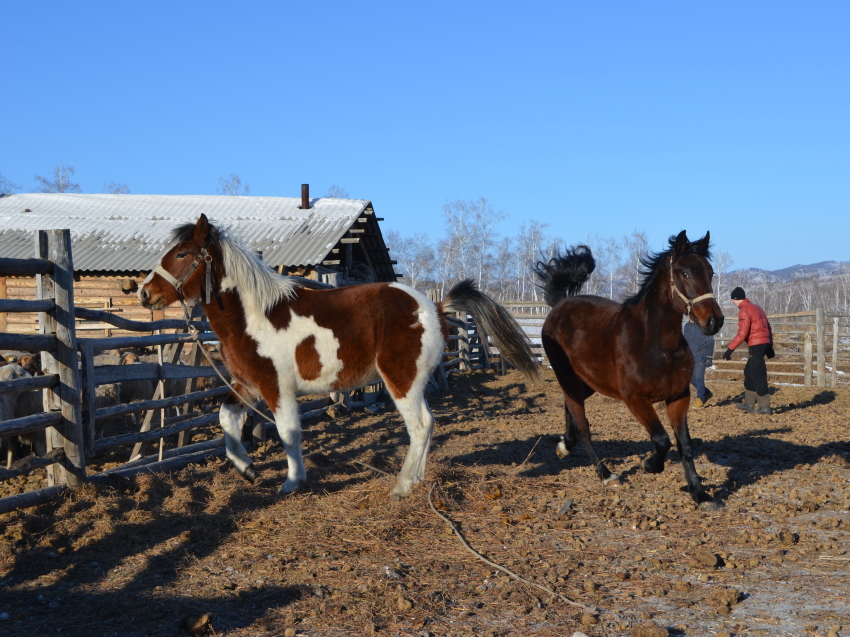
{"x":654,"y":261}
{"x":186,"y":232}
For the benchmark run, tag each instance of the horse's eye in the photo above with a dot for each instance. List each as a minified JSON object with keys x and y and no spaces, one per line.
{"x":181,"y":255}
{"x":685,"y":275}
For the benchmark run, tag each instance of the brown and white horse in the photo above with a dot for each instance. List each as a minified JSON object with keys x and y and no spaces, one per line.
{"x":279,"y":340}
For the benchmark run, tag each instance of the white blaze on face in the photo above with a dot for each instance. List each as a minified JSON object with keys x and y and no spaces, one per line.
{"x":144,"y":283}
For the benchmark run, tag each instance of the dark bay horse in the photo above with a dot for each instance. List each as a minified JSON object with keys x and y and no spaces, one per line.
{"x":279,"y":340}
{"x":634,"y":351}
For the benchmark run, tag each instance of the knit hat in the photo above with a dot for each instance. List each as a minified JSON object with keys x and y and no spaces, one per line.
{"x":738,"y":294}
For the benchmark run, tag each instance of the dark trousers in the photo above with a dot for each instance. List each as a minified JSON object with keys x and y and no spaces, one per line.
{"x":698,"y":378}
{"x":755,"y":371}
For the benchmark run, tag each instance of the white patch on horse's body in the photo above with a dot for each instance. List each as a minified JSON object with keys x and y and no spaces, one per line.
{"x":147,"y":279}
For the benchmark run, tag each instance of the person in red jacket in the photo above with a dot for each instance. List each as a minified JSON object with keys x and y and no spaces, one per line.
{"x":754,"y":328}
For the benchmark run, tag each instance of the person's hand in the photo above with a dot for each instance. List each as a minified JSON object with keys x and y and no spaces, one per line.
{"x":727,"y":355}
{"x":769,"y":352}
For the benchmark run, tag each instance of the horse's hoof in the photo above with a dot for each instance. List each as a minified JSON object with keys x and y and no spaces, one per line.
{"x":613,"y":481}
{"x":291,"y":486}
{"x":647,"y":466}
{"x":250,"y":474}
{"x":561,"y":450}
{"x":708,"y":505}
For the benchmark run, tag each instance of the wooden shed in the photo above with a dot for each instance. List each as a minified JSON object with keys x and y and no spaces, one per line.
{"x":118,"y":239}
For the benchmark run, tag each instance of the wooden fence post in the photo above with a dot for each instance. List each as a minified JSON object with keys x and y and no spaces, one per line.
{"x":821,"y":348}
{"x":835,"y":352}
{"x":56,"y":246}
{"x":807,"y":361}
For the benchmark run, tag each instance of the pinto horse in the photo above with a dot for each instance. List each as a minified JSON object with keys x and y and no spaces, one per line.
{"x":634,"y":351}
{"x":279,"y":340}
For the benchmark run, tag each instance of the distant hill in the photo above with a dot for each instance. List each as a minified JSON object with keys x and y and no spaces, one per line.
{"x":823,"y":270}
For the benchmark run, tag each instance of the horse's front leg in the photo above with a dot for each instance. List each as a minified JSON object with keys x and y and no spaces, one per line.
{"x":645,"y":414}
{"x":231,"y":416}
{"x":289,"y":428}
{"x":677,"y":412}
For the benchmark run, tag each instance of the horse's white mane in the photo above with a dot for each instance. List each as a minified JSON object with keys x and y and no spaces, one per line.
{"x":258,"y":285}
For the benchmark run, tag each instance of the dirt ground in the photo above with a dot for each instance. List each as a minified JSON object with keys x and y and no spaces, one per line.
{"x":161,"y":554}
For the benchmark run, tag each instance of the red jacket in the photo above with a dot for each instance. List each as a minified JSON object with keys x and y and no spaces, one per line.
{"x":753,"y":326}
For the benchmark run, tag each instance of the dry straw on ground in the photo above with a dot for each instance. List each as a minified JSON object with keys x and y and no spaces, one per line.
{"x":153,"y":555}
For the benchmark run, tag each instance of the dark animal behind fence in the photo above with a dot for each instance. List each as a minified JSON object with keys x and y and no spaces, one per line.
{"x":634,"y":351}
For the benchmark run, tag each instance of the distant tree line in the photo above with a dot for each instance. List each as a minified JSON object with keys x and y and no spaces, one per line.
{"x":472,"y":247}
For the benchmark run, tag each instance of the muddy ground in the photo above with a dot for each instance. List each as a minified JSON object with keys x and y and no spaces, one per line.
{"x":140,"y":556}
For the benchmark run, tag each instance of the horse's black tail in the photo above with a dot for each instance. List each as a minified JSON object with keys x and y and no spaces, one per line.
{"x":565,"y":275}
{"x":495,"y":321}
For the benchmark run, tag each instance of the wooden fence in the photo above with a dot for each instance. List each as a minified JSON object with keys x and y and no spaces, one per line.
{"x":71,"y":416}
{"x":811,"y":347}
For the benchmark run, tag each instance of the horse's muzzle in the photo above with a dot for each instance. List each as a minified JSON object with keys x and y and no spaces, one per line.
{"x":143,"y":296}
{"x":713,"y":325}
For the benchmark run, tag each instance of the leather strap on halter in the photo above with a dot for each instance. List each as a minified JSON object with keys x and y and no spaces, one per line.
{"x":689,"y":303}
{"x":203,"y":257}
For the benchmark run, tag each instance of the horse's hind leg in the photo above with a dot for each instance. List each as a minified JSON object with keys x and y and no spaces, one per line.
{"x":677,"y":412}
{"x":570,"y":437}
{"x":645,"y":414}
{"x":420,"y":425}
{"x":582,"y":426}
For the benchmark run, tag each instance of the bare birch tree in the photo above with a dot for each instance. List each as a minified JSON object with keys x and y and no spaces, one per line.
{"x":415,"y":257}
{"x":232,"y":186}
{"x":532,"y":237}
{"x":472,"y":228}
{"x":7,"y":187}
{"x":114,"y":188}
{"x":337,"y":192}
{"x":636,"y":246}
{"x":608,"y":257}
{"x":61,"y":181}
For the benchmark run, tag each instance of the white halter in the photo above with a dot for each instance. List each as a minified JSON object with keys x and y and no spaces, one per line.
{"x":689,"y":303}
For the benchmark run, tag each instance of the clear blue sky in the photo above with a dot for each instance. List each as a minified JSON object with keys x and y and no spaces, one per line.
{"x":592,"y":117}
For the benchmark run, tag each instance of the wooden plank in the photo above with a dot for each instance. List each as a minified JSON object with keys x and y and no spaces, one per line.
{"x":28,"y":342}
{"x":153,"y":434}
{"x":30,"y":463}
{"x":834,"y":352}
{"x":28,"y":384}
{"x":143,"y":405}
{"x":807,"y":361}
{"x":821,"y":348}
{"x":17,"y":426}
{"x":71,"y":437}
{"x":104,"y":374}
{"x":30,"y":498}
{"x":178,"y":461}
{"x":137,"y":326}
{"x":25,"y":267}
{"x":145,"y":341}
{"x":22,"y":305}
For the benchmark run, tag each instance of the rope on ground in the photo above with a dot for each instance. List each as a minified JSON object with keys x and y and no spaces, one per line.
{"x":502,"y":568}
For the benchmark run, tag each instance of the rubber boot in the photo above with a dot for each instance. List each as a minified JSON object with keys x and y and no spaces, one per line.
{"x":749,"y":403}
{"x":764,"y":405}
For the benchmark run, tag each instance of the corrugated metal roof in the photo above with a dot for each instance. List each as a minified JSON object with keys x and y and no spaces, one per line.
{"x":128,"y":233}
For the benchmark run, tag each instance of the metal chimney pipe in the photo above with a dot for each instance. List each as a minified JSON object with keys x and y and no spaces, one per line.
{"x":305,"y":196}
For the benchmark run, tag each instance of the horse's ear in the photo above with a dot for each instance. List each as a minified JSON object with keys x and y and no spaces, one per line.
{"x":681,"y":243}
{"x":202,"y":229}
